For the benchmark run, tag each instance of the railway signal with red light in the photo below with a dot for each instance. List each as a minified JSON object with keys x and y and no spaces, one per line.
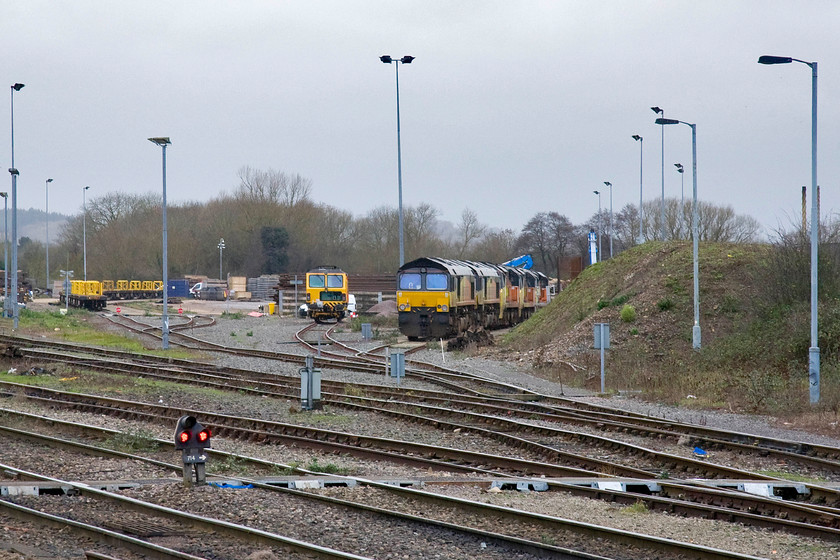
{"x":189,"y":434}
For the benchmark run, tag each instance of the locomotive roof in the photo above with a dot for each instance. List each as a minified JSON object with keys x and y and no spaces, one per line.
{"x":456,"y":267}
{"x":330,"y":269}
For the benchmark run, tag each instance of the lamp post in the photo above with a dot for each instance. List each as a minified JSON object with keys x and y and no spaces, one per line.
{"x":47,"y":194}
{"x":5,"y":196}
{"x":814,"y":350}
{"x":404,"y":60}
{"x":641,"y":142}
{"x":611,"y":218}
{"x":681,"y":170}
{"x":659,"y":111}
{"x":599,"y":225}
{"x":14,"y":172}
{"x":695,"y":333}
{"x":221,"y":248}
{"x":84,"y":230}
{"x":163,"y":142}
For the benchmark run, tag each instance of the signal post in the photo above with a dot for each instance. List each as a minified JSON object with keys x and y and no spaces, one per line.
{"x":192,"y":439}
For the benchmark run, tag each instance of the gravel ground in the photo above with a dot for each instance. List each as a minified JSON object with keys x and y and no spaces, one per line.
{"x":272,"y":333}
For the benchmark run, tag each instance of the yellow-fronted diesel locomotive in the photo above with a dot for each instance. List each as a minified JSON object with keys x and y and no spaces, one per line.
{"x":439,"y":298}
{"x":326,"y":293}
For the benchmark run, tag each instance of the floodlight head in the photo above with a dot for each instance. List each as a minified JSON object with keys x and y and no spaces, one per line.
{"x":407,"y":59}
{"x":636,"y":137}
{"x":667,"y":121}
{"x":86,"y":188}
{"x":679,"y":167}
{"x":597,"y":192}
{"x":49,"y":180}
{"x":657,"y":110}
{"x":161,"y":141}
{"x":608,"y":183}
{"x":766,"y":59}
{"x":14,"y":171}
{"x":17,"y":87}
{"x":4,"y":194}
{"x":386,"y":58}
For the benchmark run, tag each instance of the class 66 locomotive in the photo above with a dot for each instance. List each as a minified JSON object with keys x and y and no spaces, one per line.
{"x":440,"y":298}
{"x":326,"y":294}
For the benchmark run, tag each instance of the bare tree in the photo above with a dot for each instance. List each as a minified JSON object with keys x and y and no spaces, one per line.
{"x":469,"y":229}
{"x":273,"y":186}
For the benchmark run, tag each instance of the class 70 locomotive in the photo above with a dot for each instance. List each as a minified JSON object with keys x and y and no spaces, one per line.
{"x":439,"y":298}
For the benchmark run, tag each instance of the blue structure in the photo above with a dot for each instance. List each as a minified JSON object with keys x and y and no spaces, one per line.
{"x":524,"y":261}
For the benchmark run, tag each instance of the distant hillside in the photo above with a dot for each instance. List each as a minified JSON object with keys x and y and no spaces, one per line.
{"x":32,"y":224}
{"x":754,"y":346}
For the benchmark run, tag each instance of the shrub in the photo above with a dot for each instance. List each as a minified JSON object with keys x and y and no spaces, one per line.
{"x":628,"y":314}
{"x":664,"y":304}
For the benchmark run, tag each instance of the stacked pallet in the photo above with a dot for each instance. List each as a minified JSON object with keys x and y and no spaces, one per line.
{"x":263,"y":288}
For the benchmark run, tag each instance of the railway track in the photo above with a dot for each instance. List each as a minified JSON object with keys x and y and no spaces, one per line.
{"x":549,"y":409}
{"x":675,"y":496}
{"x":493,"y":413}
{"x":476,"y":519}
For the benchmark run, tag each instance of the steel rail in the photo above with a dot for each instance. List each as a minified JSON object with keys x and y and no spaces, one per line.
{"x":444,"y":458}
{"x":794,"y":518}
{"x":100,"y":534}
{"x":817,"y":461}
{"x":672,"y":461}
{"x":248,"y":534}
{"x":552,"y":523}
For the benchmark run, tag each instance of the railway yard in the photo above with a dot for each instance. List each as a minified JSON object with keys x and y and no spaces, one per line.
{"x":464,"y":457}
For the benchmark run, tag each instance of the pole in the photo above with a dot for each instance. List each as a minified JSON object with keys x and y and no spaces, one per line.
{"x":6,"y":255}
{"x":662,"y":203}
{"x":814,"y":350}
{"x":221,"y":247}
{"x":611,"y":222}
{"x":641,"y":217}
{"x":399,"y":166}
{"x":695,"y":331}
{"x":600,"y":255}
{"x":13,"y":290}
{"x":47,"y":193}
{"x":84,"y":230}
{"x":603,"y":344}
{"x":14,"y":172}
{"x":165,"y":326}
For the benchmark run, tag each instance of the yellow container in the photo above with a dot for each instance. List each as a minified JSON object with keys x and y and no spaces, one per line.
{"x":271,"y":307}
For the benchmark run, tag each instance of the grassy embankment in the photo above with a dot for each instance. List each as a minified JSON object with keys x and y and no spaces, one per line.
{"x":754,"y":316}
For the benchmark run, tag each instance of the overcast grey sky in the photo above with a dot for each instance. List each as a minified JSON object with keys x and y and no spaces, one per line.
{"x":510,"y":108}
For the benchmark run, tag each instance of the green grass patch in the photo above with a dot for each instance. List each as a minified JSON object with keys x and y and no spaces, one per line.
{"x":133,"y":441}
{"x":329,"y":468}
{"x":638,"y":508}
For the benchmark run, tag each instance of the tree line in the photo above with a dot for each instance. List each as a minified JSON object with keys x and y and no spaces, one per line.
{"x":270,"y":225}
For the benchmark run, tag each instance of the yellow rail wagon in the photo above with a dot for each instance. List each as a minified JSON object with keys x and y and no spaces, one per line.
{"x":86,"y":294}
{"x":132,"y":289}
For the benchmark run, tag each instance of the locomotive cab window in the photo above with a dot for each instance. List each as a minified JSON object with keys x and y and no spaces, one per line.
{"x":436,"y":282}
{"x":316,"y":280}
{"x":335,"y":281}
{"x":410,"y":281}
